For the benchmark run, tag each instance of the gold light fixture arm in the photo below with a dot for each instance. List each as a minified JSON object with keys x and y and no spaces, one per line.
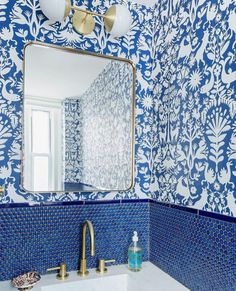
{"x":83,"y":21}
{"x":88,"y":12}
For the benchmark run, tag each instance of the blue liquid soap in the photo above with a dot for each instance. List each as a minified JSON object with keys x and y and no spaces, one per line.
{"x":135,"y":255}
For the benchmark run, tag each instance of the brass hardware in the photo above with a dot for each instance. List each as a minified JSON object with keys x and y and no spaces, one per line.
{"x":62,"y":275}
{"x":67,"y":8}
{"x":83,"y":262}
{"x":2,"y":190}
{"x":87,"y":11}
{"x":102,"y":266}
{"x":109,"y":18}
{"x":83,"y":22}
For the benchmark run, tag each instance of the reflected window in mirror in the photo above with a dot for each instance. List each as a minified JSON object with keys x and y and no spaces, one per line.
{"x":44,"y":157}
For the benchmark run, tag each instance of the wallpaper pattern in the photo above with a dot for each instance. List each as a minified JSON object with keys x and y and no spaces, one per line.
{"x":98,"y":131}
{"x":195,"y":103}
{"x":184,"y":53}
{"x":72,"y":141}
{"x":22,"y":21}
{"x":106,"y":128}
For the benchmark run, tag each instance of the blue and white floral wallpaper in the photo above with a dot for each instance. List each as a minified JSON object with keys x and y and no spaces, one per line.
{"x":184,"y":53}
{"x":106,"y":125}
{"x":98,"y":128}
{"x":22,"y":21}
{"x":195,"y":103}
{"x":71,"y":167}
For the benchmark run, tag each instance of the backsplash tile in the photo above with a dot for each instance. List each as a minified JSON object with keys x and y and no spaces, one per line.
{"x":196,"y":250}
{"x":39,"y":237}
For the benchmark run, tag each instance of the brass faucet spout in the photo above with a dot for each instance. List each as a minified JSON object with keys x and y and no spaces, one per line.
{"x":91,"y":231}
{"x":83,"y":262}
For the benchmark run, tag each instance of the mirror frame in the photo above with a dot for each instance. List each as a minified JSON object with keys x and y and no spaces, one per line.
{"x":81,"y":52}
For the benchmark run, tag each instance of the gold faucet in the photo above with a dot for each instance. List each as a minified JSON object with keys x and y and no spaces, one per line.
{"x":62,"y":275}
{"x":102,"y":266}
{"x":83,"y":262}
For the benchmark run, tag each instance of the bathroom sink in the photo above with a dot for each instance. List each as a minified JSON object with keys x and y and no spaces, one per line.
{"x":118,"y":278}
{"x":114,"y":283}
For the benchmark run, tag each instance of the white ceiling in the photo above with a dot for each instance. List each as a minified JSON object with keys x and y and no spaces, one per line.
{"x":53,"y":73}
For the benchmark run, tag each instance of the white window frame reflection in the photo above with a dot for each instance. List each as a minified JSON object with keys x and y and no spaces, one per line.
{"x":54,"y":110}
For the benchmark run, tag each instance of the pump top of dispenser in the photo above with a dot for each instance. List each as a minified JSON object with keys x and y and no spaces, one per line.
{"x":135,"y":237}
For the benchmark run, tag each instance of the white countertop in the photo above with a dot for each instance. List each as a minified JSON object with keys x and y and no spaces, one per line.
{"x":150,"y":278}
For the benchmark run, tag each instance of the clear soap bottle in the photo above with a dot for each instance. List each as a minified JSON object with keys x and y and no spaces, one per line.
{"x":135,"y":254}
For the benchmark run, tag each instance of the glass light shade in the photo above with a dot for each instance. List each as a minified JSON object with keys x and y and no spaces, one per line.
{"x":122,"y":21}
{"x":55,"y":10}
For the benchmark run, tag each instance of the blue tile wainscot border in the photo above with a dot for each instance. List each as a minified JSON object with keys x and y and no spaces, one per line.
{"x":122,"y":201}
{"x":195,"y":247}
{"x":214,"y":215}
{"x":81,"y":202}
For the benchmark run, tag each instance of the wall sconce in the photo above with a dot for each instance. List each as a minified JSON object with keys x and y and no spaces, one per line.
{"x":117,"y":19}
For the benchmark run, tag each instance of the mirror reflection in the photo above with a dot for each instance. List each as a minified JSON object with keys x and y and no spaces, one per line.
{"x":78,"y":121}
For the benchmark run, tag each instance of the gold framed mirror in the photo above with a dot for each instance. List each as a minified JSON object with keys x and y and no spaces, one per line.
{"x":78,"y":121}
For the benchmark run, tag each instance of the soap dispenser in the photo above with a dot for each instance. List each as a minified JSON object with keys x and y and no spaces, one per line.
{"x":135,"y":254}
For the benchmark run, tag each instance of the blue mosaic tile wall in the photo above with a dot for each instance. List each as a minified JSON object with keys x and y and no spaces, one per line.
{"x":196,"y":250}
{"x":39,"y":237}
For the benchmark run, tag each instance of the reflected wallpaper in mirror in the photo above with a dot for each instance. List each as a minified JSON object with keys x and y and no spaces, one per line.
{"x":78,"y":121}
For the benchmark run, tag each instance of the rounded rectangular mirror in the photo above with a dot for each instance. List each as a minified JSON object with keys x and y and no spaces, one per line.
{"x":78,"y":121}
